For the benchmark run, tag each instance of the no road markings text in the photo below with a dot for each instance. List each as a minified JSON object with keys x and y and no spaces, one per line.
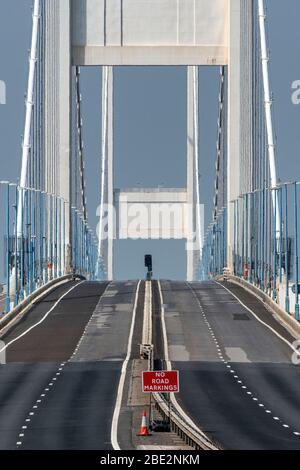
{"x":161,"y":381}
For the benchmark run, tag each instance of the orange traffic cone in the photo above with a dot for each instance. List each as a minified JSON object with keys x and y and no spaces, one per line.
{"x":144,"y":430}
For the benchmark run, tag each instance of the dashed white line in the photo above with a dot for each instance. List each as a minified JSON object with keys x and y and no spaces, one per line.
{"x":62,"y":364}
{"x":169,"y":367}
{"x":228,"y":366}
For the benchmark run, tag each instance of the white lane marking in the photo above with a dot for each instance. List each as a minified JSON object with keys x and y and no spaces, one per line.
{"x":42,"y":319}
{"x":116,"y":414}
{"x":261,"y":405}
{"x":104,"y":294}
{"x":169,"y":367}
{"x":258,"y":319}
{"x":60,"y":368}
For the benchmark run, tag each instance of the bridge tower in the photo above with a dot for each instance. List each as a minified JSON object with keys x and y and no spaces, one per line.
{"x":192,"y":33}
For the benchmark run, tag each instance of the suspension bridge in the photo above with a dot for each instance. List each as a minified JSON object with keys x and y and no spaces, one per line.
{"x":74,"y":340}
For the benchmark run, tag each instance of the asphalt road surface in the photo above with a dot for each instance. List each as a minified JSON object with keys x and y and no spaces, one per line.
{"x":58,"y":387}
{"x":237,"y":380}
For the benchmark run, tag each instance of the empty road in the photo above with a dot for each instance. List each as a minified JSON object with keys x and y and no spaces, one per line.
{"x":237,"y":379}
{"x":58,"y":389}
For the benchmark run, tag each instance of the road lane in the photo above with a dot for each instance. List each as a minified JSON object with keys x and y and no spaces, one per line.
{"x":20,"y":386}
{"x":237,"y":380}
{"x":74,"y":409}
{"x":56,"y":337}
{"x":77,"y":412}
{"x":58,"y":389}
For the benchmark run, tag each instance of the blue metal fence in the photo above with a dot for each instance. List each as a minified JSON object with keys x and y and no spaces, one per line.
{"x":37,"y":252}
{"x":264,"y":252}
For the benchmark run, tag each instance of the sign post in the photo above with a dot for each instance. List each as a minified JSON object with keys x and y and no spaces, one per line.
{"x":161,"y":381}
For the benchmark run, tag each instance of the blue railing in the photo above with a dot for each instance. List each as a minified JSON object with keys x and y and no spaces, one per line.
{"x":265,"y":249}
{"x":214,"y":252}
{"x":37,"y":249}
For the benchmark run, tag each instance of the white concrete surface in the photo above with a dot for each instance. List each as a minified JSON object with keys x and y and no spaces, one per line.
{"x":144,"y":32}
{"x":155,"y":32}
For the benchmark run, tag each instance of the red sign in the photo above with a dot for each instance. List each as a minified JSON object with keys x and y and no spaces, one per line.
{"x":161,"y":381}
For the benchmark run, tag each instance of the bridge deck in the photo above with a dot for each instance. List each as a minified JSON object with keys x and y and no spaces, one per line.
{"x":237,"y":379}
{"x":68,"y":399}
{"x":59,"y":387}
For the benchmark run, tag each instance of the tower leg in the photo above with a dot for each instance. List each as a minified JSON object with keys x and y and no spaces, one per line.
{"x":234,"y":126}
{"x":192,"y":235}
{"x":110,"y":176}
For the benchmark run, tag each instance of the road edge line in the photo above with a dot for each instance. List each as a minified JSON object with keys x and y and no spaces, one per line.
{"x":169,"y":367}
{"x":42,"y":319}
{"x":117,"y":409}
{"x":259,"y":320}
{"x":9,"y":319}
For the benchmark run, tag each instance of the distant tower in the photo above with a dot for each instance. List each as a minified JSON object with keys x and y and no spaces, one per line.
{"x":183,"y":32}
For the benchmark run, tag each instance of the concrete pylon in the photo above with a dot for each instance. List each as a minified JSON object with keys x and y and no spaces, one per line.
{"x":57,"y":107}
{"x":192,"y":244}
{"x":110,"y":175}
{"x":134,"y":33}
{"x":240,"y":111}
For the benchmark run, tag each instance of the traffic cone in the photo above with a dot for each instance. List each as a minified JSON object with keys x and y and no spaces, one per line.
{"x":144,"y":430}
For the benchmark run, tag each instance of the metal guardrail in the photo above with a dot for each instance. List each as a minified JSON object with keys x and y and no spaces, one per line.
{"x":146,"y":347}
{"x":27,"y":304}
{"x":265,"y":246}
{"x":285,"y":317}
{"x":191,"y":436}
{"x":36,"y":246}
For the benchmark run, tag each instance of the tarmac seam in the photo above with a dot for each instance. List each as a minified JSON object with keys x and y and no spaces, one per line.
{"x":259,"y":320}
{"x":230,"y":369}
{"x":56,"y":375}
